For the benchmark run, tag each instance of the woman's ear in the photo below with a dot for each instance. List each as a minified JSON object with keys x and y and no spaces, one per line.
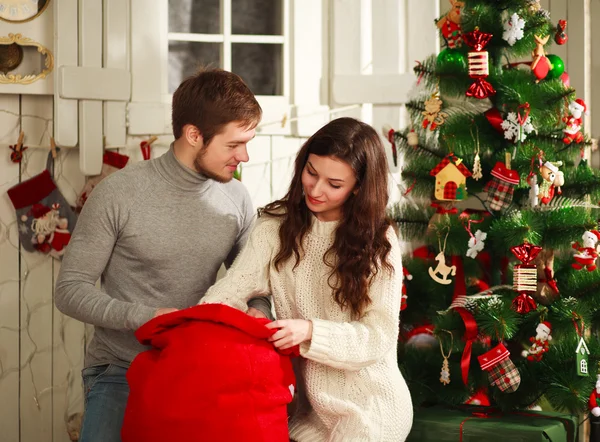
{"x":355,"y":191}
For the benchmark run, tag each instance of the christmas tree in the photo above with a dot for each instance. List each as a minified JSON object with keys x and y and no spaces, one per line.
{"x":502,"y":296}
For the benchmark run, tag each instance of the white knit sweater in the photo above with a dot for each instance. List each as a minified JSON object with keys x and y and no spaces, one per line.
{"x":350,"y":387}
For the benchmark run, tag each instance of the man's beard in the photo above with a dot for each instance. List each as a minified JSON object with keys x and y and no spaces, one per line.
{"x":207,"y":173}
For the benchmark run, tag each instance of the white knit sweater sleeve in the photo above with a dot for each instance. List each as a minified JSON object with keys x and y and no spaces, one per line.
{"x":248,"y":277}
{"x":355,"y":345}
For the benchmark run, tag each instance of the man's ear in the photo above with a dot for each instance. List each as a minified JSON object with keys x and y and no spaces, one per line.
{"x":192,"y":135}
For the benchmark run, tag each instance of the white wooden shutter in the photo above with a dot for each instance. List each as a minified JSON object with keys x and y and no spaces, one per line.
{"x":90,"y":91}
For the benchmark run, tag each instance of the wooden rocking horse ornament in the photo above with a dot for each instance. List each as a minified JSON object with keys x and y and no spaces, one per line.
{"x":442,"y":271}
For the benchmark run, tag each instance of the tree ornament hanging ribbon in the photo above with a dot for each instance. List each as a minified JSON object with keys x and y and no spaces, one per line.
{"x":522,"y":118}
{"x":441,"y":210}
{"x":478,"y":64}
{"x":549,"y":279}
{"x":525,"y":277}
{"x":469,"y":337}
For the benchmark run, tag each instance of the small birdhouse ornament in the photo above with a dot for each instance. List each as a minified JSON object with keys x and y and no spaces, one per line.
{"x":450,"y":179}
{"x":501,"y":187}
{"x":582,"y":352}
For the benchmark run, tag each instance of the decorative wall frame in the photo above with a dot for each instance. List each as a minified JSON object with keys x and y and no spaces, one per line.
{"x":27,"y":78}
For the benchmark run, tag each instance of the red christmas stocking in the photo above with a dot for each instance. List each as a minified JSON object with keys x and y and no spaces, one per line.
{"x":501,"y":370}
{"x":111,"y":162}
{"x":44,"y":217}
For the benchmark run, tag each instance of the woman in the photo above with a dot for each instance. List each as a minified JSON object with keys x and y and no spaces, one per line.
{"x":328,"y":255}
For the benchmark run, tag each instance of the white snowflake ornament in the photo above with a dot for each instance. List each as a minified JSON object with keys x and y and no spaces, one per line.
{"x":476,"y":244}
{"x":513,"y":130}
{"x":513,"y":29}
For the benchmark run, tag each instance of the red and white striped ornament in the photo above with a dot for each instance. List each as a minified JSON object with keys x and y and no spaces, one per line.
{"x":478,"y":64}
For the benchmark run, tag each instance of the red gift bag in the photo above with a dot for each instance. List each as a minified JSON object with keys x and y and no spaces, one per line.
{"x":210,"y":376}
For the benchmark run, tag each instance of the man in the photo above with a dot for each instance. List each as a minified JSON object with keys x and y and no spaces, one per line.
{"x":157,"y":233}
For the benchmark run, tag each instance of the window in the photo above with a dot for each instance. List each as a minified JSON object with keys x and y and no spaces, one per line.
{"x":247,"y":37}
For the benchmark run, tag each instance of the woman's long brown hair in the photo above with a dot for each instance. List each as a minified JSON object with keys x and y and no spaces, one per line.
{"x":361,"y":246}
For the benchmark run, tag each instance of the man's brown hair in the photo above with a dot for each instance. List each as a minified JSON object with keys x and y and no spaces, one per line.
{"x":211,"y":99}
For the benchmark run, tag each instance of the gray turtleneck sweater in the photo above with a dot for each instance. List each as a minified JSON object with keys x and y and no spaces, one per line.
{"x":156,"y":233}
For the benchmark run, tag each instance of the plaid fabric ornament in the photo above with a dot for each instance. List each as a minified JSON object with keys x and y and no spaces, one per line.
{"x":501,"y":187}
{"x":501,"y":370}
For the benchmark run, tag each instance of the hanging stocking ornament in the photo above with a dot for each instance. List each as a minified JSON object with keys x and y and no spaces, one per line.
{"x":587,"y":251}
{"x":445,"y":372}
{"x":501,"y":370}
{"x":111,"y":162}
{"x":478,"y":64}
{"x":45,"y":218}
{"x":539,"y":343}
{"x":525,"y":277}
{"x":540,"y":66}
{"x":433,"y":115}
{"x":501,"y":187}
{"x":442,"y":271}
{"x":561,"y":36}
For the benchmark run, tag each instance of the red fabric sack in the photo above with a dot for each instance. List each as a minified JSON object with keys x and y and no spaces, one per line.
{"x":211,"y":375}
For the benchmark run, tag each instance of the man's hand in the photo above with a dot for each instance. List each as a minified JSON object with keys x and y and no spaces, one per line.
{"x":291,"y":332}
{"x":256,"y":313}
{"x":164,"y":311}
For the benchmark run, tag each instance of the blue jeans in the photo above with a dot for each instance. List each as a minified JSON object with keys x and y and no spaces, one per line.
{"x":105,"y":392}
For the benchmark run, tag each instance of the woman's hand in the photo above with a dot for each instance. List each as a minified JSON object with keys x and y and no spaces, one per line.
{"x":290,"y":332}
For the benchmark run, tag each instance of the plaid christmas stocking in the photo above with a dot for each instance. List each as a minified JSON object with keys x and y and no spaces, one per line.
{"x":111,"y":162}
{"x":44,"y":217}
{"x":501,"y":370}
{"x":501,"y":187}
